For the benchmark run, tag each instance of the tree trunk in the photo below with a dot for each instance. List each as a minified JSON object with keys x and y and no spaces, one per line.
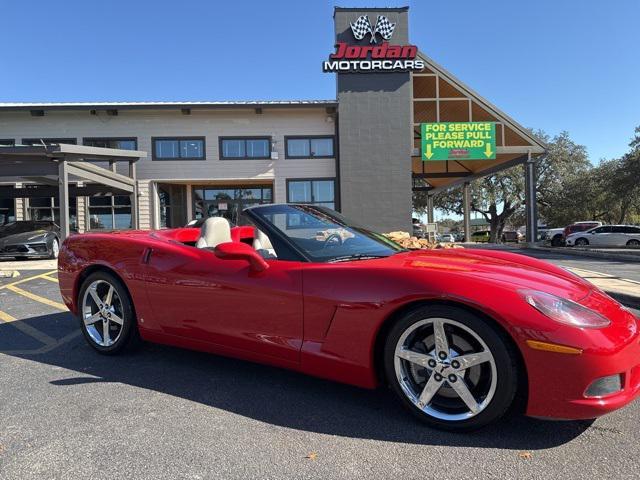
{"x":496,"y":225}
{"x":623,"y":212}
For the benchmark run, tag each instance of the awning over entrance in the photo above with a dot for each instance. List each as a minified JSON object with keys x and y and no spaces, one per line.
{"x":440,"y":97}
{"x":59,"y":163}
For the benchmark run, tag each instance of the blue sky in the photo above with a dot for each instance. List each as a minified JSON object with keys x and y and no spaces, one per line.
{"x":557,"y":65}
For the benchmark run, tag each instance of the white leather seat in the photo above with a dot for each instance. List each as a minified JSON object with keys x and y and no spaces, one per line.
{"x":261,"y":243}
{"x":215,"y":230}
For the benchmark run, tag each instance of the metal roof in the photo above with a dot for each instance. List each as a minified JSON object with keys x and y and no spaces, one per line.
{"x":537,"y":145}
{"x":17,"y":106}
{"x":18,"y":153}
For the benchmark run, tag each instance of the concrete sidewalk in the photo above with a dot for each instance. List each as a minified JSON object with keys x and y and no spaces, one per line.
{"x":12,"y":268}
{"x":623,"y":255}
{"x":6,"y":264}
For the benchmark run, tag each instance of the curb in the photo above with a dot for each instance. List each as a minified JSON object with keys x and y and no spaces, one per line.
{"x":627,"y":300}
{"x":587,"y":253}
{"x":9,"y":273}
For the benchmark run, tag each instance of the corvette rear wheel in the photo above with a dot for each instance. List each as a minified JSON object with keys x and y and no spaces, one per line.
{"x":451,"y":368}
{"x":106,"y":314}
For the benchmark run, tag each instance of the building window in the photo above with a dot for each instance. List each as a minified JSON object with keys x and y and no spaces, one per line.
{"x":7,"y":142}
{"x":178,"y":148}
{"x":7,"y":210}
{"x":173,"y":209}
{"x":120,"y":143}
{"x":110,"y":212}
{"x":312,"y":191}
{"x":229,"y":201}
{"x":309,"y":147}
{"x":238,"y":148}
{"x":48,"y":141}
{"x":48,"y":208}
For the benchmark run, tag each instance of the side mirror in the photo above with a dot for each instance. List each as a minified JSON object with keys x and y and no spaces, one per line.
{"x":241,"y":251}
{"x":593,"y":233}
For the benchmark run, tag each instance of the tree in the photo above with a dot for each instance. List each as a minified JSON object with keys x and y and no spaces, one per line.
{"x":609,"y":192}
{"x":628,"y":179}
{"x":565,"y":162}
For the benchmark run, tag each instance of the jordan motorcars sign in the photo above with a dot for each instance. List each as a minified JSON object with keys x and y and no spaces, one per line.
{"x":373,"y":57}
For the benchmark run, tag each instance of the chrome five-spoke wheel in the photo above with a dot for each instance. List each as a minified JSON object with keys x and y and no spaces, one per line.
{"x":445,"y":369}
{"x":450,"y":367}
{"x":102,"y":313}
{"x":106,"y":314}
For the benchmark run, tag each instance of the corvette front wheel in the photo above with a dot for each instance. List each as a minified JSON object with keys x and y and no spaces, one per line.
{"x":450,"y":368}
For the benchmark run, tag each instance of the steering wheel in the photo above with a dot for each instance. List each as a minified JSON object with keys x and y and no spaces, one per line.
{"x":332,"y":240}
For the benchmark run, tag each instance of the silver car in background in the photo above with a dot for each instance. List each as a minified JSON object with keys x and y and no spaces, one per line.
{"x":607,"y":236}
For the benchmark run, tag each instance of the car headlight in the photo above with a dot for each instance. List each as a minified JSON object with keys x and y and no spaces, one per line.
{"x":39,"y":236}
{"x":564,"y":311}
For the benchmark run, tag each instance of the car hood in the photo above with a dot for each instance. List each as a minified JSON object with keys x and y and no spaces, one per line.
{"x":498,"y":266}
{"x":19,"y":238}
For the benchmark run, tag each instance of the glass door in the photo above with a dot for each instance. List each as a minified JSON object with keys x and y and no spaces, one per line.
{"x":228,"y":202}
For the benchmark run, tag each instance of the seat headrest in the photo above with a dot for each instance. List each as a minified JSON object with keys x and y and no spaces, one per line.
{"x":215,"y":230}
{"x":261,"y":241}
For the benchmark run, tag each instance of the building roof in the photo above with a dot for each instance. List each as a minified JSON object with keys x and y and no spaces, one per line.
{"x":19,"y":153}
{"x":18,"y":106}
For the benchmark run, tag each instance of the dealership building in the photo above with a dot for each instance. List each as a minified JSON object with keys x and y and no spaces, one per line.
{"x":362,"y":153}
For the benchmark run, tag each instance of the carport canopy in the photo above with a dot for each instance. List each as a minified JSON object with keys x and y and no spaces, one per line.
{"x":438,"y":96}
{"x":56,"y":164}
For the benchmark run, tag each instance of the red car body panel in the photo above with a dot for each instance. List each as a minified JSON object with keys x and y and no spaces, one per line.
{"x":325,"y":319}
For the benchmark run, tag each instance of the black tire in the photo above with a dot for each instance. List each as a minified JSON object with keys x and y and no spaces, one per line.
{"x":633,"y":243}
{"x":129,"y":337}
{"x":581,"y":242}
{"x":498,"y":343}
{"x":55,"y":249}
{"x":557,"y":241}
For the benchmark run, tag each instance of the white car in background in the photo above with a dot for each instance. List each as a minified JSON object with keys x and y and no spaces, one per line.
{"x":447,"y":237}
{"x":606,"y":236}
{"x":554,"y":236}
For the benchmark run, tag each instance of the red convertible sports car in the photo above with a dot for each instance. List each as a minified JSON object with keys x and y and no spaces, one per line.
{"x":461,"y":336}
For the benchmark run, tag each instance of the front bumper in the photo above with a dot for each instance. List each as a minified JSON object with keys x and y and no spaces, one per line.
{"x":29,"y":250}
{"x":558,"y":382}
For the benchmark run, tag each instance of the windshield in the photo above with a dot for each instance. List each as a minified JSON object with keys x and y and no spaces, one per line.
{"x":23,"y":227}
{"x":324,"y":235}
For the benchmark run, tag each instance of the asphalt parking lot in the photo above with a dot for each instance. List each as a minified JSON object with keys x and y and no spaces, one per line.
{"x":67,"y":412}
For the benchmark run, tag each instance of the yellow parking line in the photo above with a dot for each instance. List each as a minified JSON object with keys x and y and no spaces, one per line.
{"x":28,"y":329}
{"x":5,"y":317}
{"x":46,"y":277}
{"x":34,"y":277}
{"x":37,"y":298}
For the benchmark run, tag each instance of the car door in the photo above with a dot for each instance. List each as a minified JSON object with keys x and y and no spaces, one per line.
{"x":599,"y":236}
{"x":199,"y":296}
{"x":618,"y":236}
{"x":631,"y":233}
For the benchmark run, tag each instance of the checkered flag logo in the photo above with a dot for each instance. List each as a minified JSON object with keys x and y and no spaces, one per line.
{"x":384,"y":27}
{"x":361,"y":27}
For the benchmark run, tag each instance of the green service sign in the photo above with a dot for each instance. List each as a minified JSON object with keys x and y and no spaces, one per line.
{"x":458,"y":141}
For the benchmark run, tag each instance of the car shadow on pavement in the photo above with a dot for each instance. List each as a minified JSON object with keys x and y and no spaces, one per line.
{"x":276,"y":396}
